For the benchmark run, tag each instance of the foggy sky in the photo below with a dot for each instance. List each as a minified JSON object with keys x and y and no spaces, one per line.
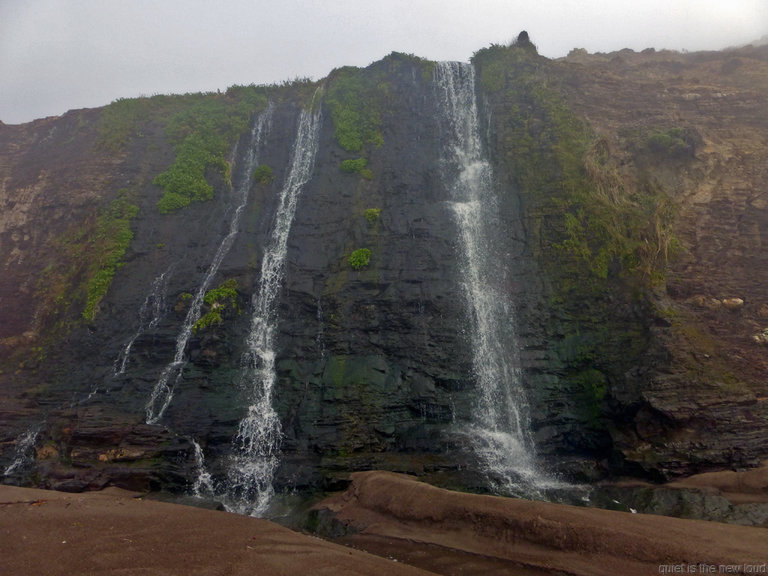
{"x":57,"y":55}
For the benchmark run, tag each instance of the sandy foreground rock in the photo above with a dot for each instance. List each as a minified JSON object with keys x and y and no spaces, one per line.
{"x":427,"y":530}
{"x":459,"y":533}
{"x":45,"y":533}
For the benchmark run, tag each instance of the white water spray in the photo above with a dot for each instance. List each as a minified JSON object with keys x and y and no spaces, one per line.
{"x":500,"y":433}
{"x":162,"y":394}
{"x":256,"y":446}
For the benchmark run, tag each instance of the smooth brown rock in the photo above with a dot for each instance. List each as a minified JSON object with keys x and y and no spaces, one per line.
{"x":394,"y":512}
{"x":115,"y":533}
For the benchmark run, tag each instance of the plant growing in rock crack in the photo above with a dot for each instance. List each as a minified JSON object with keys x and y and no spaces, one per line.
{"x":263,"y":174}
{"x":359,"y":258}
{"x":218,"y":302}
{"x":372,"y":215}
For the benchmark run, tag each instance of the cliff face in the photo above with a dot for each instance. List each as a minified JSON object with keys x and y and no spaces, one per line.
{"x":630,"y":196}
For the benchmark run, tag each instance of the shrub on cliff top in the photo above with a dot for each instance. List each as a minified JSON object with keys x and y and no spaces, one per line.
{"x":354,"y":98}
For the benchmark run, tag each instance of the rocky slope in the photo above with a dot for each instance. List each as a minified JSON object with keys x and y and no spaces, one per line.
{"x":631,"y":207}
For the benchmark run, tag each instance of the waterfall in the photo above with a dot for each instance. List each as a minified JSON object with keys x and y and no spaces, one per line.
{"x":149,"y":316}
{"x":162,"y":394}
{"x":256,"y":446}
{"x":23,"y":454}
{"x":499,"y":433}
{"x":203,"y":486}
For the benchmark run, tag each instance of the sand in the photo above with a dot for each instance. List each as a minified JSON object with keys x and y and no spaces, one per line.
{"x":45,"y":533}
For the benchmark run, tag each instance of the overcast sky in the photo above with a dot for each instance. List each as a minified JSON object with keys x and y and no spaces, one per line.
{"x":57,"y":55}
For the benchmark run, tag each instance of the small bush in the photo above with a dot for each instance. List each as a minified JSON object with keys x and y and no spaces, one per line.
{"x":203,"y":134}
{"x":263,"y":174}
{"x":353,"y":166}
{"x":675,"y":142}
{"x":211,"y":318}
{"x":218,"y":301}
{"x":360,"y":258}
{"x":227,"y":291}
{"x":372,"y":214}
{"x":366,"y":173}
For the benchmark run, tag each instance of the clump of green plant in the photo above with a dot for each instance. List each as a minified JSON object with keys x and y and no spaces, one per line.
{"x":353,"y":165}
{"x":673,"y":142}
{"x":209,"y":319}
{"x":203,"y":134}
{"x":182,"y":301}
{"x":366,"y":174}
{"x":110,"y":242}
{"x":593,"y":386}
{"x":225,"y":293}
{"x":218,"y":302}
{"x":359,"y":258}
{"x":372,"y":215}
{"x":263,"y":174}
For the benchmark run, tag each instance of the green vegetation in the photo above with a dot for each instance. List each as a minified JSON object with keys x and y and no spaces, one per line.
{"x":182,"y":301}
{"x":225,"y":293}
{"x":208,"y":320}
{"x":218,"y":302}
{"x":357,"y":166}
{"x":671,"y":143}
{"x":353,"y":166}
{"x":263,"y":174}
{"x":203,"y":134}
{"x":110,"y":242}
{"x":355,"y":101}
{"x":372,"y":215}
{"x":589,"y":214}
{"x":120,"y":121}
{"x":359,"y":258}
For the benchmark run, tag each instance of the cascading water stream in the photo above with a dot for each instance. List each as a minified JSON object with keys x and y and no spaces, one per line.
{"x":256,"y":446}
{"x":149,"y":316}
{"x":162,"y":394}
{"x":24,"y":453}
{"x":500,"y":433}
{"x":204,"y":485}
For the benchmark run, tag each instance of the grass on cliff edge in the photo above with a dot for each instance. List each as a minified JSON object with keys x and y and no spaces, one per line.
{"x":588,"y":214}
{"x":202,"y":128}
{"x":203,"y":136}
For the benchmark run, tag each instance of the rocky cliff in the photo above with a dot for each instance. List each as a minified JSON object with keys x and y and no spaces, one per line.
{"x":631,"y":207}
